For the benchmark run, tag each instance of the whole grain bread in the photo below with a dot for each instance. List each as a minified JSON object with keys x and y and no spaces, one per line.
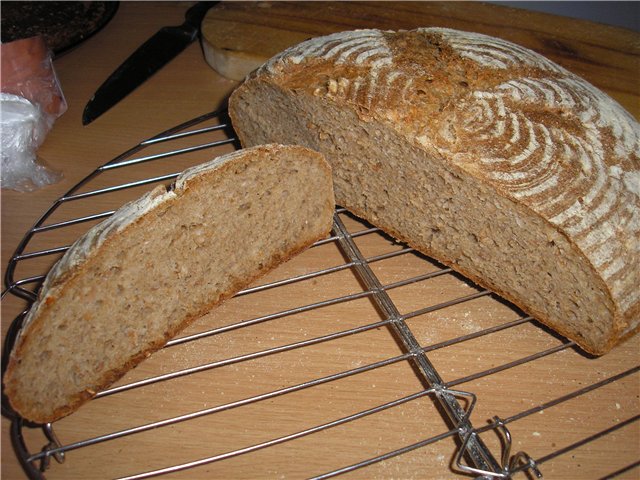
{"x":478,"y":152}
{"x":135,"y":280}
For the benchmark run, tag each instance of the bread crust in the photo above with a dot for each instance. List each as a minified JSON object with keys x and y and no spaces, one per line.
{"x":515,"y":122}
{"x":71,"y":272}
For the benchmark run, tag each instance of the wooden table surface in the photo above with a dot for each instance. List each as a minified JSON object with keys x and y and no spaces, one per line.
{"x":551,"y":434}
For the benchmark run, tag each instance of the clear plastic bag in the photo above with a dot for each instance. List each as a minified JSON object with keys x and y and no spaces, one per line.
{"x":30,"y":101}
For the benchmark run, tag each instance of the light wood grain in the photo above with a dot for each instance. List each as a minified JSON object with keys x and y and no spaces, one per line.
{"x":188,"y":87}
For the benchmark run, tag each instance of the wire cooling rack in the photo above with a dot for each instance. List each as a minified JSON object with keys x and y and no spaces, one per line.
{"x":404,"y":370}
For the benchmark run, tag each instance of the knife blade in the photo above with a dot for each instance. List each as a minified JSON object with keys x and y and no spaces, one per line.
{"x":150,"y":57}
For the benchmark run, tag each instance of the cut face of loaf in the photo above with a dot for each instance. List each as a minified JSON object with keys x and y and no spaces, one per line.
{"x":134,"y":281}
{"x":478,"y":152}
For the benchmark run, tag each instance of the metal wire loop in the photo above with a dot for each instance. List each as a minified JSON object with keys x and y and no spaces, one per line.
{"x":520,"y":461}
{"x":53,"y":444}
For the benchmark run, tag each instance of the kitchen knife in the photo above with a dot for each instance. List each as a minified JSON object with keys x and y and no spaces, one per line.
{"x":150,"y":57}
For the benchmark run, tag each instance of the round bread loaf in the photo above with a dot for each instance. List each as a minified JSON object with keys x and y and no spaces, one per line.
{"x":478,"y":152}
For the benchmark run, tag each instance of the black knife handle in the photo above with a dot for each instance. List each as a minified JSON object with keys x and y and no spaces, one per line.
{"x":195,"y":14}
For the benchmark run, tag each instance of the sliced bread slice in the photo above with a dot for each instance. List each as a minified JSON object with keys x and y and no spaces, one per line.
{"x":134,"y":281}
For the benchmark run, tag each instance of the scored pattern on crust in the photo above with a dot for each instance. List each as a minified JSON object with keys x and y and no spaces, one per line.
{"x":367,"y":49}
{"x":564,"y":174}
{"x":492,"y":52}
{"x":563,"y":148}
{"x":538,"y":133}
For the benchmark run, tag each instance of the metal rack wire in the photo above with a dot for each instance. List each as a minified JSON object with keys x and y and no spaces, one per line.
{"x":451,"y":402}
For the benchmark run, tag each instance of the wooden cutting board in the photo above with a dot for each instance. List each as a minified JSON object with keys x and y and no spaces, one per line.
{"x":237,"y":37}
